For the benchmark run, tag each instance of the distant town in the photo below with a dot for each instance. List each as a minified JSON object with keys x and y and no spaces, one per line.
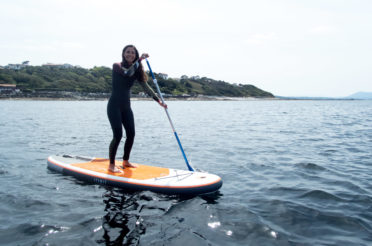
{"x":66,"y":81}
{"x":66,"y":65}
{"x":52,"y":80}
{"x":27,"y":63}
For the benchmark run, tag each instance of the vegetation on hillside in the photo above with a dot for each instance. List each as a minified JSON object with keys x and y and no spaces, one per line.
{"x":98,"y":79}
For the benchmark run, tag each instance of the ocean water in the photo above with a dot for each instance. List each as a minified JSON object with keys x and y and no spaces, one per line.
{"x":294,"y":172}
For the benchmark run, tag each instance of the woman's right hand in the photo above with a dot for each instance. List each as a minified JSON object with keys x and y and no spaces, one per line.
{"x":144,"y":56}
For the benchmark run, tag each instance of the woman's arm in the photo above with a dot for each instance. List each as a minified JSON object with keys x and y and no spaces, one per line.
{"x":151,"y":93}
{"x":148,"y":90}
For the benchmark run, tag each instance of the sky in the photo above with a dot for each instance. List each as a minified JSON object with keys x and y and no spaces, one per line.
{"x":315,"y":48}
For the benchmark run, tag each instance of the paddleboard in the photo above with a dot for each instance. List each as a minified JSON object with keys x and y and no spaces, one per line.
{"x":144,"y":177}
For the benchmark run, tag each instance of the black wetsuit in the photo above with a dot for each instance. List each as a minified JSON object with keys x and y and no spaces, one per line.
{"x":119,"y":111}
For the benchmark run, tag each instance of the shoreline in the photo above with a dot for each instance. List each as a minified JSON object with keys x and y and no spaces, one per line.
{"x":177,"y":99}
{"x":167,"y":98}
{"x":136,"y":99}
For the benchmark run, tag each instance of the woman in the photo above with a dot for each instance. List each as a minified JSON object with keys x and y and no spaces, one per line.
{"x":119,"y":112}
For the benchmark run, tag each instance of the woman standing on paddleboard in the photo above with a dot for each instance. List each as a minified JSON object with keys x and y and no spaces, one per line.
{"x":119,"y":112}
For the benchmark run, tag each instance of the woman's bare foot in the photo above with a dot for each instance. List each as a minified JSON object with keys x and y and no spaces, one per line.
{"x":114,"y":169}
{"x":128,"y":164}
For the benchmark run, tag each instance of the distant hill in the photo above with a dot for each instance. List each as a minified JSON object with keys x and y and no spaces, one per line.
{"x":360,"y":95}
{"x":307,"y":98}
{"x":98,"y":80}
{"x":355,"y":96}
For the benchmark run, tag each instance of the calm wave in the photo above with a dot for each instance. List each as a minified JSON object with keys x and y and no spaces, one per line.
{"x":295,"y":173}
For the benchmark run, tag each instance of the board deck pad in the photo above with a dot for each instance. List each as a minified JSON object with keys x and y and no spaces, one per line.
{"x":141,"y":172}
{"x":143,"y":177}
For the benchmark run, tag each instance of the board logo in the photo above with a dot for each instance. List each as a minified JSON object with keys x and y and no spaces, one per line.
{"x":100,"y":181}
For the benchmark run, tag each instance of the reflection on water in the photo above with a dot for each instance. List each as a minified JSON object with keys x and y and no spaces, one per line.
{"x":119,"y":224}
{"x":128,"y":214}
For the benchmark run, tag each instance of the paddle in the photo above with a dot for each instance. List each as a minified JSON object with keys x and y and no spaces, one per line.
{"x":170,"y":121}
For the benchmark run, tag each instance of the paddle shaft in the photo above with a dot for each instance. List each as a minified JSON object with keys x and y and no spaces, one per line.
{"x":169,"y":118}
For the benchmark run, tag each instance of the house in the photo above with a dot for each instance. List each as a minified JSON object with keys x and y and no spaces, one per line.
{"x":18,"y":66}
{"x":65,"y":65}
{"x":13,"y":66}
{"x":6,"y":88}
{"x":163,"y":75}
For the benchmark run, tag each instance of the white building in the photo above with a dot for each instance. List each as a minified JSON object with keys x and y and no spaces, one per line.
{"x":163,"y":75}
{"x":8,"y":88}
{"x":18,"y":66}
{"x":65,"y":65}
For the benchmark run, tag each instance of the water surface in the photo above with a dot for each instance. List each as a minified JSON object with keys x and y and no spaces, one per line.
{"x":294,"y":172}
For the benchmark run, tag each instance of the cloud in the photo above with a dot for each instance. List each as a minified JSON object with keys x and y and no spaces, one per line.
{"x":322,"y":29}
{"x":261,"y":38}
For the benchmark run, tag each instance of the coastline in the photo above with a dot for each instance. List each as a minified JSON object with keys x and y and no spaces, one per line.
{"x":175,"y":98}
{"x":135,"y":99}
{"x":73,"y":96}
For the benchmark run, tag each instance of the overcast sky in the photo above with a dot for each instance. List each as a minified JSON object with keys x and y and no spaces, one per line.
{"x":287,"y":47}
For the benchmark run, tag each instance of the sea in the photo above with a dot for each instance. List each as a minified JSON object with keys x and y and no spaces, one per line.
{"x":295,"y":172}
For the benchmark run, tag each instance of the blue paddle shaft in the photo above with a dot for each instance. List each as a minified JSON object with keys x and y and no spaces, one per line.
{"x":170,"y":120}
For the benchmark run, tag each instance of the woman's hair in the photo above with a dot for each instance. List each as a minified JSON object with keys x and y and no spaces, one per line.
{"x":140,"y":73}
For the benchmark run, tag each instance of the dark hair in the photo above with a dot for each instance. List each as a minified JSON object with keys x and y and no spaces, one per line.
{"x":140,"y":73}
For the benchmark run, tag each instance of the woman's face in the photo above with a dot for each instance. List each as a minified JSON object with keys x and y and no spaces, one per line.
{"x":130,"y":55}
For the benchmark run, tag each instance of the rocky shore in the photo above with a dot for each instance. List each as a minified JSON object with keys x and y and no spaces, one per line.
{"x":65,"y":95}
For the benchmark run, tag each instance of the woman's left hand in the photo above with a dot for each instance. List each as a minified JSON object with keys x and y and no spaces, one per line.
{"x":163,"y":104}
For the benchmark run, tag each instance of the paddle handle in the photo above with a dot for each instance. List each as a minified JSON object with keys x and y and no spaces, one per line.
{"x":169,"y":118}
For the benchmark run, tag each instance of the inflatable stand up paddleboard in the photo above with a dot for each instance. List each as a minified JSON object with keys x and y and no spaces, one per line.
{"x":156,"y":179}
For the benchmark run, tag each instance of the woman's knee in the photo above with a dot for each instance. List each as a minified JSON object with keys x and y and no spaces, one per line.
{"x":131,"y":134}
{"x":118,"y":133}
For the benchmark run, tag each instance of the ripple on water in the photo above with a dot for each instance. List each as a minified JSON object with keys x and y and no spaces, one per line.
{"x":304,"y":221}
{"x":3,"y":171}
{"x":22,"y":233}
{"x":311,"y":166}
{"x":321,"y":195}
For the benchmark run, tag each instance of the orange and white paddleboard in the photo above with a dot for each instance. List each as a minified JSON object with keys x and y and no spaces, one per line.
{"x":157,"y":179}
